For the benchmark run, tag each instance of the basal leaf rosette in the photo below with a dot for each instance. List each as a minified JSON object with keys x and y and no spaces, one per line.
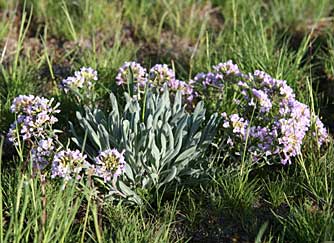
{"x":161,"y":142}
{"x":266,"y":119}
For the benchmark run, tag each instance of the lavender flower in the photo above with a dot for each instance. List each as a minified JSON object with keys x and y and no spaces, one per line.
{"x":161,"y":73}
{"x":87,"y":73}
{"x":238,"y":124}
{"x":42,"y":153}
{"x":280,"y":123}
{"x":209,"y":79}
{"x":320,"y":132}
{"x":82,"y":80}
{"x":293,"y":130}
{"x":186,"y":89}
{"x":263,"y":100}
{"x":227,"y":68}
{"x":160,"y":76}
{"x":35,"y":115}
{"x":138,"y":72}
{"x":71,"y":83}
{"x":68,"y":164}
{"x":109,"y":164}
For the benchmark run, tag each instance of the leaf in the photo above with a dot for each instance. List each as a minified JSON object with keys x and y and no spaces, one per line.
{"x":170,"y":176}
{"x":177,"y":102}
{"x":156,"y":155}
{"x":128,"y":192}
{"x":188,"y":154}
{"x":163,"y":142}
{"x":114,"y":106}
{"x":128,"y":172}
{"x":104,"y":137}
{"x":92,"y":134}
{"x":130,"y":82}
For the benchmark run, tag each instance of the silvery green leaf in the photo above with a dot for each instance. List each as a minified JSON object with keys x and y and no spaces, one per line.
{"x":171,"y":137}
{"x":149,"y":122}
{"x":158,"y":112}
{"x":171,"y":173}
{"x":166,"y":115}
{"x":78,"y":115}
{"x":57,"y":131}
{"x":163,"y":142}
{"x":130,"y":82}
{"x":210,"y":129}
{"x":191,"y":172}
{"x":99,"y":116}
{"x":199,"y":110}
{"x":189,"y":153}
{"x":129,"y":173}
{"x":165,"y":98}
{"x":128,"y":192}
{"x":154,"y":176}
{"x":114,"y":106}
{"x":169,"y":158}
{"x":177,"y":103}
{"x":146,"y":182}
{"x":104,"y":137}
{"x":92,"y":134}
{"x":142,"y":142}
{"x":156,"y":155}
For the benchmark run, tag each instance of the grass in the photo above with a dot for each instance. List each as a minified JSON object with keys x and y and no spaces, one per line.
{"x":43,"y":42}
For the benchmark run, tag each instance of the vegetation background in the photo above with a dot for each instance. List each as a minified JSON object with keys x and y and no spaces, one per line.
{"x":44,"y":41}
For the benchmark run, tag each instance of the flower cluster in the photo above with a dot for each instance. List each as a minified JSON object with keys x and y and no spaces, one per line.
{"x":267,"y":114}
{"x":237,"y":124}
{"x":158,"y":77}
{"x":160,"y":74}
{"x":138,"y":73}
{"x":221,"y":74}
{"x":68,"y":164}
{"x":35,"y":116}
{"x":209,"y":79}
{"x":81,"y":80}
{"x":227,"y":68}
{"x":42,"y":152}
{"x":262,"y":99}
{"x":109,"y":164}
{"x":320,"y":132}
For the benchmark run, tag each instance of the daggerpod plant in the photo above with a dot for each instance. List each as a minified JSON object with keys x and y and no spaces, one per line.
{"x":161,"y":140}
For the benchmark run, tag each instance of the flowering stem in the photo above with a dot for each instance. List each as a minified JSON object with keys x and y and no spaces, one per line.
{"x":1,"y":196}
{"x":44,"y":202}
{"x":301,"y":160}
{"x":86,"y":219}
{"x":26,"y":161}
{"x":144,"y":103}
{"x":246,"y":142}
{"x":99,"y":213}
